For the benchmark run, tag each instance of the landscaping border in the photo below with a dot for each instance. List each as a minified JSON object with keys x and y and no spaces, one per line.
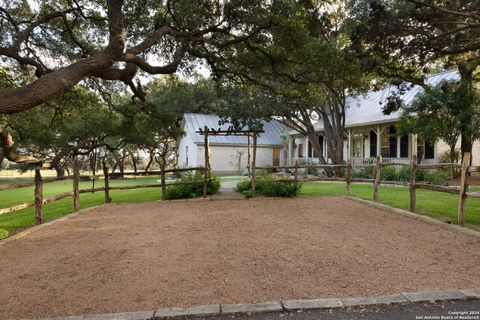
{"x":412,"y":215}
{"x":25,"y":232}
{"x":286,"y":305}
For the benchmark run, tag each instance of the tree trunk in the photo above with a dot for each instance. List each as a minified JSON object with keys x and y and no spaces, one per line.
{"x":466,"y":144}
{"x":59,"y":170}
{"x":313,"y":139}
{"x":134,"y":162}
{"x":162,"y":179}
{"x":452,"y":160}
{"x":150,"y":160}
{"x":114,"y":168}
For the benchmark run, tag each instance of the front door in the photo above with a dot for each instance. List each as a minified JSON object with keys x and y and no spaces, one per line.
{"x":276,"y":156}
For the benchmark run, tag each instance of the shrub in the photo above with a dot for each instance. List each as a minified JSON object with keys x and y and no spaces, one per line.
{"x":281,"y":189}
{"x":269,"y":188}
{"x":405,"y":173}
{"x":213,"y":185}
{"x":436,"y":177}
{"x":389,"y":174}
{"x":365,"y":173}
{"x":243,"y":186}
{"x":3,"y":234}
{"x":445,"y":156}
{"x":185,"y":191}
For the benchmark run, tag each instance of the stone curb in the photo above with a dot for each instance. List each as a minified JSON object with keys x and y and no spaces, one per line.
{"x":304,"y":304}
{"x":252,"y":307}
{"x":207,"y":310}
{"x":433,"y":296}
{"x":471,"y":293}
{"x":286,"y":305}
{"x":353,"y":302}
{"x":23,"y":233}
{"x":412,"y":215}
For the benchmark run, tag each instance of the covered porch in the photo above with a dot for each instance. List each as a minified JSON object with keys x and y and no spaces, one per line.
{"x":361,"y":145}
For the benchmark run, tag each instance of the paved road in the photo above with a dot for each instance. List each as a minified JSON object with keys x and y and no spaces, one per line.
{"x":394,"y":312}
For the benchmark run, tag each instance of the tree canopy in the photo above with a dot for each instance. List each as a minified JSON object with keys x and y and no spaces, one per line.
{"x":64,"y":42}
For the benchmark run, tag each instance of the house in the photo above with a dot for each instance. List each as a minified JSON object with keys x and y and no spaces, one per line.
{"x":369,"y":132}
{"x":228,"y":153}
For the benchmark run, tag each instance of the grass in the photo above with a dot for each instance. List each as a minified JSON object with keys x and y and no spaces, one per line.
{"x":5,"y":180}
{"x":22,"y":219}
{"x":435,"y":204}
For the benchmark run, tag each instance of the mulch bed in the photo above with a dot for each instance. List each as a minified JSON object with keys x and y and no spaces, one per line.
{"x":133,"y":257}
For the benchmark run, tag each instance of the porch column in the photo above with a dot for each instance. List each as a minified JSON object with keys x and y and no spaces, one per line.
{"x":379,"y":141}
{"x":349,"y":134}
{"x":289,"y":151}
{"x":307,"y":141}
{"x":399,"y":140}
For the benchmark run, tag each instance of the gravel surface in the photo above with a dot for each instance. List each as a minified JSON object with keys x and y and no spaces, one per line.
{"x":145,"y":256}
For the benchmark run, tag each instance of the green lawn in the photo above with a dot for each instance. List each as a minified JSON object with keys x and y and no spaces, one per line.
{"x":5,"y":180}
{"x":22,"y":219}
{"x":435,"y":204}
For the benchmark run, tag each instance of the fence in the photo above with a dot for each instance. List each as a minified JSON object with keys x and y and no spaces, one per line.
{"x":38,"y":183}
{"x":463,"y":193}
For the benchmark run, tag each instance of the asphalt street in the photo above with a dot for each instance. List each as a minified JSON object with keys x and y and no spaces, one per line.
{"x":454,"y":310}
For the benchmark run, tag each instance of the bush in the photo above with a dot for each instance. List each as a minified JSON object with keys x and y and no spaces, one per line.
{"x":437,"y":177}
{"x":243,"y":185}
{"x":389,"y":174}
{"x":3,"y":234}
{"x":185,"y":191}
{"x":405,"y":173}
{"x":365,"y":173}
{"x":445,"y":156}
{"x":281,"y":189}
{"x":269,"y":188}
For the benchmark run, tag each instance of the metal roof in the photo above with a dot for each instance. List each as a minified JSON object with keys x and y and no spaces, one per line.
{"x":366,"y":109}
{"x":194,"y":121}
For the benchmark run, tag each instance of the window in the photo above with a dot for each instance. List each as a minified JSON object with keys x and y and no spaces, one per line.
{"x":310,"y":149}
{"x":393,"y":142}
{"x":429,"y":150}
{"x":373,"y":144}
{"x":404,"y":146}
{"x":300,"y":150}
{"x":320,"y":141}
{"x":186,"y":153}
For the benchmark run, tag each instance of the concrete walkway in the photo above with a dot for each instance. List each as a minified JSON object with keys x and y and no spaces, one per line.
{"x":227,"y":191}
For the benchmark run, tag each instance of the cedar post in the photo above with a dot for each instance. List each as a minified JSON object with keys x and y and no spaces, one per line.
{"x":463,"y":188}
{"x":206,"y":169}
{"x":38,"y":197}
{"x":295,"y":173}
{"x":107,"y":182}
{"x":76,"y":192}
{"x":378,"y":168}
{"x":254,"y":182}
{"x":248,"y":155}
{"x":162,"y":180}
{"x":349,"y":178}
{"x":413,"y":181}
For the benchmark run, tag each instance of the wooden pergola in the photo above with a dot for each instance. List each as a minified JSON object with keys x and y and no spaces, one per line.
{"x":206,"y":132}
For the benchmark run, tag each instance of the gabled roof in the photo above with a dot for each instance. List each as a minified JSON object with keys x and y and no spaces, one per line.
{"x":194,"y":121}
{"x":366,"y":109}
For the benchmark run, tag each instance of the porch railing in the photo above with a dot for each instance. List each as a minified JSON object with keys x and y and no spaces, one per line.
{"x":355,"y":161}
{"x":363,"y":161}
